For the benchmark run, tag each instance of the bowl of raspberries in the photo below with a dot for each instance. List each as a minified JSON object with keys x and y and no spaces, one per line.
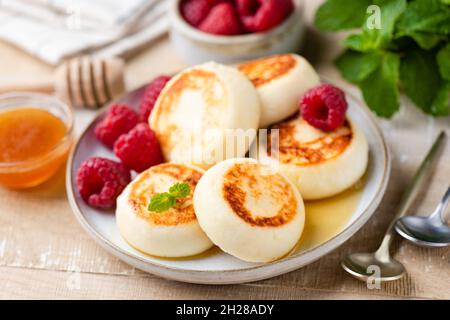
{"x":235,"y":30}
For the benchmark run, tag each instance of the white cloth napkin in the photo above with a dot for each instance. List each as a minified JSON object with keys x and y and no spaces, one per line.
{"x":54,"y":30}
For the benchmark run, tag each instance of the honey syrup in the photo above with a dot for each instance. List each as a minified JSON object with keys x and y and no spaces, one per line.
{"x":32,"y":146}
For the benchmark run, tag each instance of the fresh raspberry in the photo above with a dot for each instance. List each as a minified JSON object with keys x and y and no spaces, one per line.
{"x":100,"y":181}
{"x":195,"y":11}
{"x":118,"y":120}
{"x":223,"y":19}
{"x":152,"y":92}
{"x":324,"y":107}
{"x":262,"y":15}
{"x":139,"y":149}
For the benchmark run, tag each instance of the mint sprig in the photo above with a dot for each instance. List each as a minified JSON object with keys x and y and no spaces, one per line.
{"x":161,"y":202}
{"x":410,"y":51}
{"x":180,"y":190}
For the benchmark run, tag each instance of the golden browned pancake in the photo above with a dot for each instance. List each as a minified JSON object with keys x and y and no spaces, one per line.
{"x":248,"y":213}
{"x":293,"y":150}
{"x":244,"y":181}
{"x":265,"y":70}
{"x":171,"y":233}
{"x":212,"y":91}
{"x":320,"y":164}
{"x":195,"y":109}
{"x":280,"y":81}
{"x":159,"y":179}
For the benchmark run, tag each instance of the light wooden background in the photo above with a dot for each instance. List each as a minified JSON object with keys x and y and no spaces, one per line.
{"x":44,"y":253}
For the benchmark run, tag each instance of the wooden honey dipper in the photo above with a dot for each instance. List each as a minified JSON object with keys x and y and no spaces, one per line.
{"x":81,"y":82}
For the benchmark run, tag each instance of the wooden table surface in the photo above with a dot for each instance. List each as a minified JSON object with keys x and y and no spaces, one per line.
{"x":44,"y":253}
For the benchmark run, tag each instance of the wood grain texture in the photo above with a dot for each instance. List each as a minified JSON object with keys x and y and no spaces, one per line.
{"x":44,"y":284}
{"x":42,"y":247}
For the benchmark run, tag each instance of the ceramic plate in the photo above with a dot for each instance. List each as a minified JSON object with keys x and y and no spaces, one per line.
{"x":216,"y":267}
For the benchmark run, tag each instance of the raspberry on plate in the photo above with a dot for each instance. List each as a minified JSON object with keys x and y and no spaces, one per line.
{"x":262,"y":15}
{"x":139,"y":149}
{"x":223,"y":19}
{"x":100,"y":181}
{"x":324,"y":107}
{"x":118,"y":120}
{"x":151,"y":94}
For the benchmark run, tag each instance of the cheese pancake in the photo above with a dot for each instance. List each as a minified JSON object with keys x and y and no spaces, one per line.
{"x":280,"y":81}
{"x":321,"y":164}
{"x":172,"y":233}
{"x":251,"y":215}
{"x":196,"y":109}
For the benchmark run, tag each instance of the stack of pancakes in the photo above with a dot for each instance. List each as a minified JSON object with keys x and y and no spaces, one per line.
{"x":245,"y":207}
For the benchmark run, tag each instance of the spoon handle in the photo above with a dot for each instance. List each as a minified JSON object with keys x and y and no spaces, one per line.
{"x":438,"y":214}
{"x":410,"y":193}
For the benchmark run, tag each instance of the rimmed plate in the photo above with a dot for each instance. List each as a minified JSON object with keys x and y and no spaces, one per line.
{"x":217,"y":267}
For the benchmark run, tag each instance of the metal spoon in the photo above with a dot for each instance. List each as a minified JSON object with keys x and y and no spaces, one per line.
{"x":429,"y":231}
{"x":380,"y":263}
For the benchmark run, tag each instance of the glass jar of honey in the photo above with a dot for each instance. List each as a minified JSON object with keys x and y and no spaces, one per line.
{"x":36,"y":132}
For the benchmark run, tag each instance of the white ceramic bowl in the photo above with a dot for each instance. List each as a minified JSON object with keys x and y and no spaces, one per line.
{"x":196,"y":46}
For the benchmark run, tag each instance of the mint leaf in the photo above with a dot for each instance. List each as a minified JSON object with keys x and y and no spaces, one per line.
{"x":373,"y":36}
{"x":419,"y":75}
{"x":161,"y":202}
{"x":443,"y":60}
{"x":391,"y":10}
{"x":356,"y":66}
{"x":164,"y":201}
{"x":380,"y":89}
{"x":425,"y":40}
{"x":408,"y":40}
{"x":336,"y":15}
{"x":426,"y":21}
{"x":363,"y":42}
{"x":440,"y":105}
{"x":425,"y":16}
{"x":180,"y":190}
